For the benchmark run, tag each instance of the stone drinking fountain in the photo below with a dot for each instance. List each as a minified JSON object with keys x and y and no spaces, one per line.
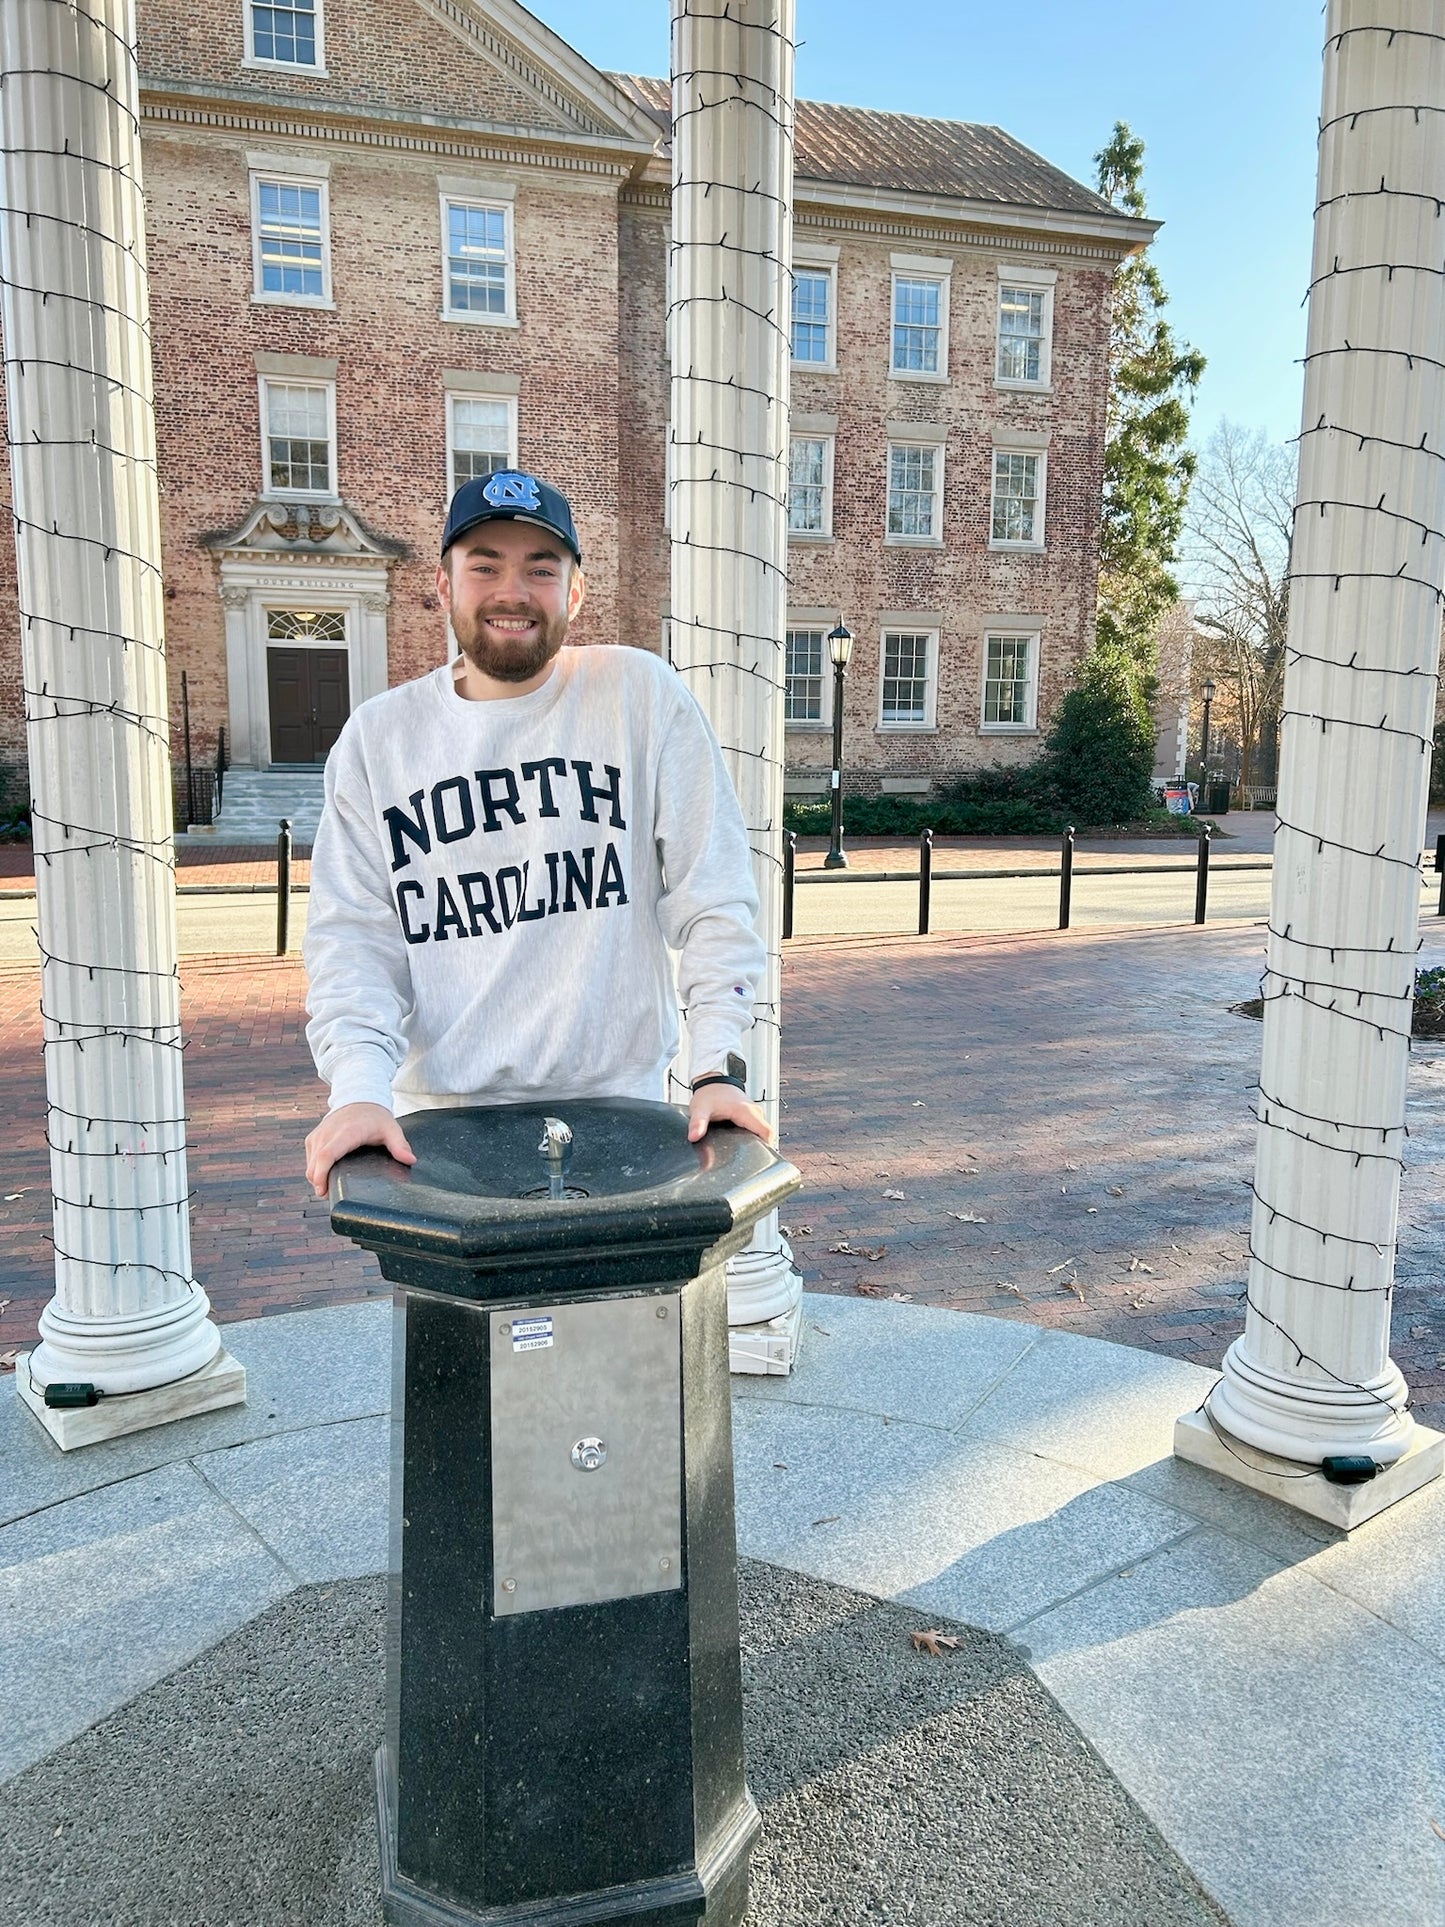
{"x":564,"y":1705}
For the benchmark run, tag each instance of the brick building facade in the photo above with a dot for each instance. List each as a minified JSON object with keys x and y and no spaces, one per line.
{"x":372,"y":275}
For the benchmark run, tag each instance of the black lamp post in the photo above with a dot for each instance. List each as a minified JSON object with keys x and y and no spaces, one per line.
{"x":1209,"y":695}
{"x":840,"y":647}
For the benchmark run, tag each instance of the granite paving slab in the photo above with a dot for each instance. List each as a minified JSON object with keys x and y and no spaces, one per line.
{"x":329,"y":1365}
{"x":909,"y":1365}
{"x":113,"y":1590}
{"x":1291,"y":1743}
{"x":317,"y":1499}
{"x":893,"y":1786}
{"x":904,"y":1511}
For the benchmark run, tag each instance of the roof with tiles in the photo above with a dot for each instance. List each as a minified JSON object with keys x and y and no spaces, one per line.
{"x":860,"y":147}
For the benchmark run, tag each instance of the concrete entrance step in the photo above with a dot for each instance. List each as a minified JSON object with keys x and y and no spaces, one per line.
{"x":254,"y":801}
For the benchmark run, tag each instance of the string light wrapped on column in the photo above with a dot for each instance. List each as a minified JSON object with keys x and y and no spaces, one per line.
{"x":729,"y":322}
{"x":1311,"y":1378}
{"x":128,"y":1316}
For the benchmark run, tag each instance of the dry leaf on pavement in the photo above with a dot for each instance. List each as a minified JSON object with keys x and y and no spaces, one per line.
{"x":866,"y":1290}
{"x":899,"y":1197}
{"x":934,"y":1643}
{"x":968,"y":1217}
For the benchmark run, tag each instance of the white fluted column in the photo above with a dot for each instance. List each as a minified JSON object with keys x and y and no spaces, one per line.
{"x":1311,"y":1377}
{"x":127,"y":1317}
{"x":732,"y":85}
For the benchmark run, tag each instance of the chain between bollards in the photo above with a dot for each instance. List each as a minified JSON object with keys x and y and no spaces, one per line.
{"x":925,"y":880}
{"x":1201,"y":875}
{"x":283,"y":888}
{"x":790,"y":858}
{"x":1066,"y":876}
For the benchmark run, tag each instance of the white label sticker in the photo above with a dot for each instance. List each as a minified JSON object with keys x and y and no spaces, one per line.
{"x":531,"y":1334}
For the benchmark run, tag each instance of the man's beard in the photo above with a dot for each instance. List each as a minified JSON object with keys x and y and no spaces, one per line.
{"x":517,"y":660}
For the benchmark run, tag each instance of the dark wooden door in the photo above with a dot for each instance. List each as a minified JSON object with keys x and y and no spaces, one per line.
{"x":310,"y":698}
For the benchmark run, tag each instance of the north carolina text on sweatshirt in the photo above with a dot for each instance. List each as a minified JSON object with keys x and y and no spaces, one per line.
{"x":509,"y":898}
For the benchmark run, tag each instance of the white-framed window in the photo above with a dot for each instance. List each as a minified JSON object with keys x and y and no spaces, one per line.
{"x":298,"y":437}
{"x":1010,"y":680}
{"x":286,"y":33}
{"x":291,"y":241}
{"x":478,"y":273}
{"x":807,"y":702}
{"x":915,"y":492}
{"x":810,"y":485}
{"x":920,"y":326}
{"x":1016,"y":517}
{"x":1024,"y":351}
{"x":814,"y":298}
{"x":908,"y":665}
{"x":481,"y":436}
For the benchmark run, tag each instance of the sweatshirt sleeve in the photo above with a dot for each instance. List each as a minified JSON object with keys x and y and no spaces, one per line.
{"x":709,"y":902}
{"x":355,"y":954}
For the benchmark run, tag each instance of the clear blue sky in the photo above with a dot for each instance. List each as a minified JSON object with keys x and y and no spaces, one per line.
{"x":1225,"y":96}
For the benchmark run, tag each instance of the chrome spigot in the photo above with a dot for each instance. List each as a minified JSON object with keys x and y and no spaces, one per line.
{"x":556,"y":1148}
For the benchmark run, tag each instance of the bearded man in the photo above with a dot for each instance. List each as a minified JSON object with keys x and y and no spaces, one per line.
{"x":513,"y":850}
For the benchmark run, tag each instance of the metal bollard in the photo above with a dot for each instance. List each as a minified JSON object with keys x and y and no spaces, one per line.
{"x":1440,"y":866}
{"x":1066,"y":877}
{"x":1201,"y":878}
{"x":925,"y":879}
{"x":790,"y":857}
{"x":283,"y":888}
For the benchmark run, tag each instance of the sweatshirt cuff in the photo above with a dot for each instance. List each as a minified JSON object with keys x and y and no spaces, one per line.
{"x":712,"y":1034}
{"x":363,"y":1076}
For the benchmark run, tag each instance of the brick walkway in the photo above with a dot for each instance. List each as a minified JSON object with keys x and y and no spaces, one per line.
{"x":1067,"y":1119}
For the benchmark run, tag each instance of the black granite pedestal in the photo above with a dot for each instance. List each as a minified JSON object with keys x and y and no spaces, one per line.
{"x":564,"y":1735}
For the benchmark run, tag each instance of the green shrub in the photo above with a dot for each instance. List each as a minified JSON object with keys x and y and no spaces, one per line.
{"x":1099,"y":757}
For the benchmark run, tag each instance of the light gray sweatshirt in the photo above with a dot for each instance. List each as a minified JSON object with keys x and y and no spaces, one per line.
{"x":496,"y":886}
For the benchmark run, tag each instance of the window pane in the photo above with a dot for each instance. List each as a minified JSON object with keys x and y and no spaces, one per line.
{"x":917,"y":306}
{"x":810,"y":315}
{"x":911,"y":491}
{"x":905,"y":678}
{"x":286,"y":31}
{"x":481,"y":438}
{"x":1015,"y":496}
{"x":1020,"y":334}
{"x":803,"y":702}
{"x":305,"y":625}
{"x":476,"y":259}
{"x":290,"y":238}
{"x":807,"y":471}
{"x":1006,"y":680}
{"x":299,"y":437}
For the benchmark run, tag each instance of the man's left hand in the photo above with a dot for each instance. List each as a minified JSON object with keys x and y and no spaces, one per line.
{"x":726,"y":1104}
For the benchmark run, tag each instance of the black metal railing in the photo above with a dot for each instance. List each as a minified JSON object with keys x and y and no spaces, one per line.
{"x":925,"y":876}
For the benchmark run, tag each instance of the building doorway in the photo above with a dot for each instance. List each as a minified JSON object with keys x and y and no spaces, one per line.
{"x":308,"y":683}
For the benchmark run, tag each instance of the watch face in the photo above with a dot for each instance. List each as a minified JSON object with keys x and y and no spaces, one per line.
{"x":737,"y":1066}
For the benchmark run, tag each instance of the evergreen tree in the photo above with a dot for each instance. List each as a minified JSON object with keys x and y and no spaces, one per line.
{"x":1147,"y":465}
{"x":1099,"y":758}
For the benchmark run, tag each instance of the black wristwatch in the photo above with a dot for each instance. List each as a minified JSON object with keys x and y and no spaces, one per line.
{"x":736,"y":1074}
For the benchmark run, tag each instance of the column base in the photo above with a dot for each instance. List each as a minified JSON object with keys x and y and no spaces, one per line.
{"x":1305,"y":1487}
{"x":221,"y":1382}
{"x":770,"y":1349}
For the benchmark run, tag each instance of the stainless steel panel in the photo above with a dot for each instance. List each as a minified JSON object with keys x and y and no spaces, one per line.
{"x":586,"y":1452}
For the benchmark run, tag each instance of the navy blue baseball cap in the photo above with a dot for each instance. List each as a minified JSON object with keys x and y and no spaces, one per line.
{"x":508,"y":495}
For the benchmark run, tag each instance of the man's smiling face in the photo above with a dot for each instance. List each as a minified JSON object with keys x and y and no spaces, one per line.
{"x":511,"y":590}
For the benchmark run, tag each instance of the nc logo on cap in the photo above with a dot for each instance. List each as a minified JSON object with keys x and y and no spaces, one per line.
{"x":511,"y":491}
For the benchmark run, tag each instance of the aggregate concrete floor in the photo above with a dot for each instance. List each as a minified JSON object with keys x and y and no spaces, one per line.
{"x":894,"y":1786}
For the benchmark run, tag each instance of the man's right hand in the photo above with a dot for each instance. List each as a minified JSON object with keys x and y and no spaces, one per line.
{"x":347,"y":1128}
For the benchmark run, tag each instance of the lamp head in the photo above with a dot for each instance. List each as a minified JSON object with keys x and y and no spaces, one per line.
{"x":840,"y":645}
{"x":1209,"y":691}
